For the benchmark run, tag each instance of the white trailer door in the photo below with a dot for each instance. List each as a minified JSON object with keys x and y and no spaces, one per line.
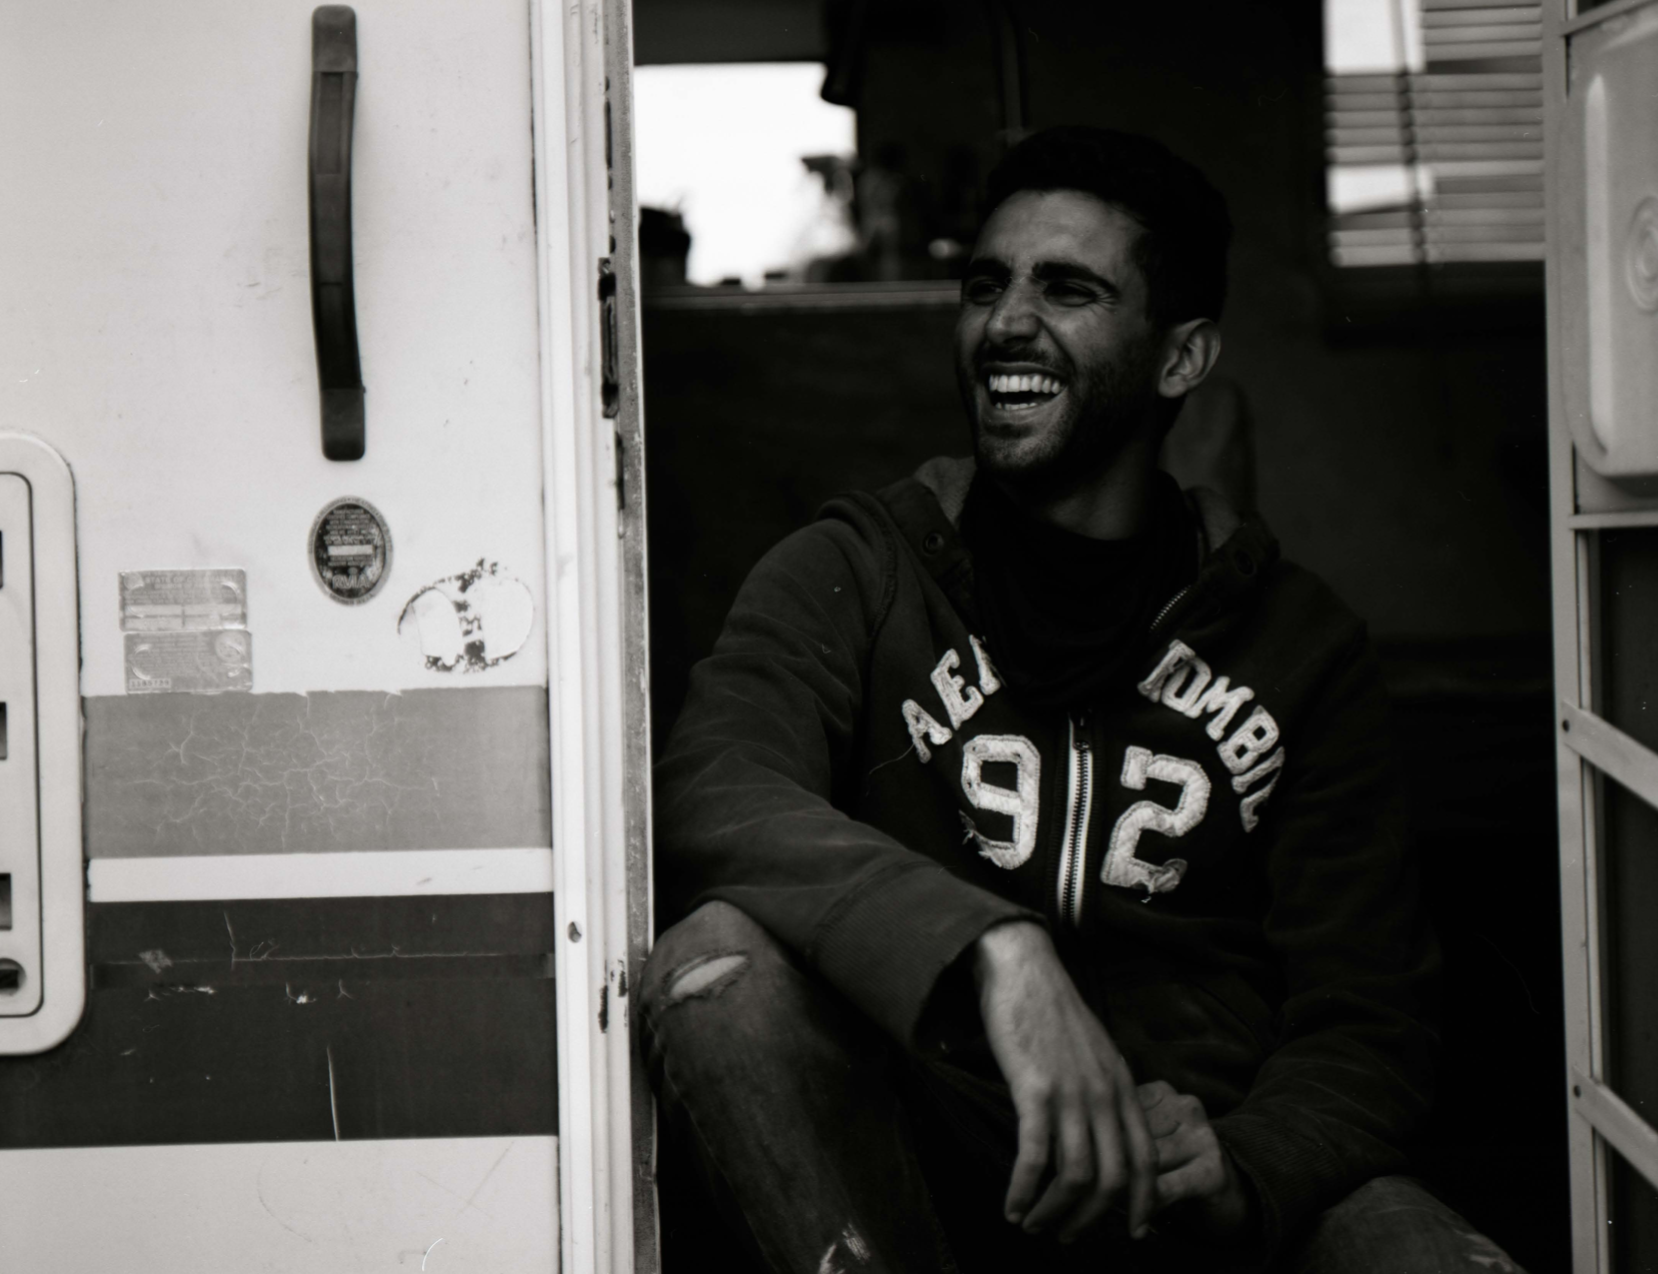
{"x":364,"y":808}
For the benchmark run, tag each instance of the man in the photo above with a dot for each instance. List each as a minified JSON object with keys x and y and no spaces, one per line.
{"x":1042,"y":887}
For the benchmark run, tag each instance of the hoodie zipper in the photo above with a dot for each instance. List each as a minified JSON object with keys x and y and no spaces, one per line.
{"x":1073,"y":857}
{"x":1164,"y":613}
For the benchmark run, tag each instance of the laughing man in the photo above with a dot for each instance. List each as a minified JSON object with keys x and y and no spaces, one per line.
{"x":1042,"y":887}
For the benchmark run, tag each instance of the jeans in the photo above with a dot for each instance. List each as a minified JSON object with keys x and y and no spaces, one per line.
{"x":830,"y":1150}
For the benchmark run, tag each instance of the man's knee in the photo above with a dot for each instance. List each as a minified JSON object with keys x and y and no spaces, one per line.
{"x":703,"y":956}
{"x":720,"y":992}
{"x":1393,"y":1225}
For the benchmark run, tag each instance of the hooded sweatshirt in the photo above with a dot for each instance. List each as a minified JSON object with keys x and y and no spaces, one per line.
{"x":1216,"y":841}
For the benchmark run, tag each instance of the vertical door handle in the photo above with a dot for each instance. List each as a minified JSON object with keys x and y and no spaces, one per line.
{"x":333,"y":296}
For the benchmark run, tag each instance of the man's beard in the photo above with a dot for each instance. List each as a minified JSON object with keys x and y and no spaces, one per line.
{"x":1102,"y":412}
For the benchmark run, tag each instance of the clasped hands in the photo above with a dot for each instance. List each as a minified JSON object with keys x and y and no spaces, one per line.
{"x":1088,"y":1135}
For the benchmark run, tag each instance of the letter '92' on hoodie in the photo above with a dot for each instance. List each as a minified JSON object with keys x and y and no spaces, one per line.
{"x":1219,"y":846}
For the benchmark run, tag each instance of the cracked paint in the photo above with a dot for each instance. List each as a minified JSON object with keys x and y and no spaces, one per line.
{"x":156,"y":959}
{"x":449,"y":769}
{"x":469,"y":622}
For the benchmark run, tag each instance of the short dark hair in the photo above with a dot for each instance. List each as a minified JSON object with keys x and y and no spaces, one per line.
{"x":1182,"y":252}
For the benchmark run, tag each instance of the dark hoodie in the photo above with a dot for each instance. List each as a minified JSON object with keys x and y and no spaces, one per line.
{"x":1216,"y":841}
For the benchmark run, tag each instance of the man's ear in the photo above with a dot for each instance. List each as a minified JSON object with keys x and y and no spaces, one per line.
{"x":1189,"y":353}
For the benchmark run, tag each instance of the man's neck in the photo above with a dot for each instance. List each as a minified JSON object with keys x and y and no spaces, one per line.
{"x":1112,"y":506}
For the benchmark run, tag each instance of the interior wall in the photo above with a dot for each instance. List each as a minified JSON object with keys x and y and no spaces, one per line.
{"x":1407,"y":471}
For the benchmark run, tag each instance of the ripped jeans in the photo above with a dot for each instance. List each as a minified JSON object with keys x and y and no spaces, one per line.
{"x":829,"y":1150}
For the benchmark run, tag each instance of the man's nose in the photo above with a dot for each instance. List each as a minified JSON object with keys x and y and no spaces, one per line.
{"x":1013,"y":317}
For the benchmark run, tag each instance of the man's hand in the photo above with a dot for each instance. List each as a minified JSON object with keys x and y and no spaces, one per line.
{"x":1079,"y":1113}
{"x":1192,"y":1165}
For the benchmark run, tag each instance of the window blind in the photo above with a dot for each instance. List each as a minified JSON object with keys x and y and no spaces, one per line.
{"x":1445,"y":163}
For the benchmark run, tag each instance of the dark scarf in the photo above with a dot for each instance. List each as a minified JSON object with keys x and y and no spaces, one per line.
{"x":1067,"y":616}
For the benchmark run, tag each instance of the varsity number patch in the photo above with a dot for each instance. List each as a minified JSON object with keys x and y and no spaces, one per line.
{"x":1185,"y":682}
{"x":1122,"y":867}
{"x":1250,"y":749}
{"x":1018,"y":802}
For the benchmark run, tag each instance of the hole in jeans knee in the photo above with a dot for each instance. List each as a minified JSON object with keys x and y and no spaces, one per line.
{"x":705,"y":976}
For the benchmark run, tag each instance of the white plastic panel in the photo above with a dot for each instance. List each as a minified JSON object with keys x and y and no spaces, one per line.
{"x":19,"y":822}
{"x":1610,"y":145}
{"x":40,"y":772}
{"x":446,"y":1206}
{"x":155,"y":318}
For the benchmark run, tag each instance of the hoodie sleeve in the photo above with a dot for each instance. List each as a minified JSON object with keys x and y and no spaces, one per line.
{"x":1352,"y":1077}
{"x":744,"y":790}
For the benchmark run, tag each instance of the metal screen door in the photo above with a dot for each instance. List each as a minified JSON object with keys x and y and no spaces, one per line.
{"x":1601,"y":81}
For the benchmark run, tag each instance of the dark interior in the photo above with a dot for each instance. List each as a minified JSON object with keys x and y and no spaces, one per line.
{"x":1397,"y":419}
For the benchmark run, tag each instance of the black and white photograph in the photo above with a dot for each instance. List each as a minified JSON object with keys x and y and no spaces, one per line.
{"x":829,"y":637}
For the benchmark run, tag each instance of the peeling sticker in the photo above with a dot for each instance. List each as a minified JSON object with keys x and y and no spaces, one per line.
{"x":469,"y":622}
{"x":198,"y":662}
{"x":175,"y":601}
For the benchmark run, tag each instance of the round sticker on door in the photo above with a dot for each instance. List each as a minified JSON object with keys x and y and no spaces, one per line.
{"x":350,"y":550}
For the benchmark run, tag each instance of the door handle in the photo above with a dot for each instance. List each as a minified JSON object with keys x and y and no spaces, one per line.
{"x":333,"y":295}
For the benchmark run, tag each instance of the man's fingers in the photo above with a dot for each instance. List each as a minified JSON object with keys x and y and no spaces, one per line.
{"x":1161,"y":1111}
{"x":1110,"y":1168}
{"x":1031,"y":1163}
{"x":1075,"y":1171}
{"x":1196,"y":1179}
{"x":1142,"y":1157}
{"x":1179,"y":1147}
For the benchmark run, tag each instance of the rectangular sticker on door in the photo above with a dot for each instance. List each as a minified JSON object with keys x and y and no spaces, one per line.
{"x":194,"y":662}
{"x":178,"y":601}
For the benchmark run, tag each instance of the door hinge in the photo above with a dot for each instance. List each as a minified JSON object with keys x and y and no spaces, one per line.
{"x":610,"y":385}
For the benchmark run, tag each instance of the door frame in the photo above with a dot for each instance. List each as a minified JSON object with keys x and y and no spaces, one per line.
{"x":599,"y":723}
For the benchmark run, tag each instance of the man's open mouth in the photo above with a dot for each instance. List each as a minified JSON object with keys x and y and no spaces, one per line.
{"x":1022,"y":391}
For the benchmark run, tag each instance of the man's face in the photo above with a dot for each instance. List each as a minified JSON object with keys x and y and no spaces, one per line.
{"x":1056,"y":356}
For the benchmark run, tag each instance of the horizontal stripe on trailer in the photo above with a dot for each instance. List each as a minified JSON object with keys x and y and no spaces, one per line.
{"x":255,"y":930}
{"x":181,"y":774}
{"x":273,"y":1020}
{"x":292,"y":1061}
{"x":457,"y":1204}
{"x":339,"y":875}
{"x":193,"y":975}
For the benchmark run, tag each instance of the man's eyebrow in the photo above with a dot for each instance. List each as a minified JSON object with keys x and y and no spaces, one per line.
{"x":1063,"y":271}
{"x":988,"y":267}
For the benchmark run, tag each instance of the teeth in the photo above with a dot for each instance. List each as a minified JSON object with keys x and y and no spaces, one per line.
{"x":1001,"y":383}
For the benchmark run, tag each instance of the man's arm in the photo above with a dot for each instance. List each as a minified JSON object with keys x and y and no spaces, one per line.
{"x":1081,"y":1127}
{"x":743,"y":791}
